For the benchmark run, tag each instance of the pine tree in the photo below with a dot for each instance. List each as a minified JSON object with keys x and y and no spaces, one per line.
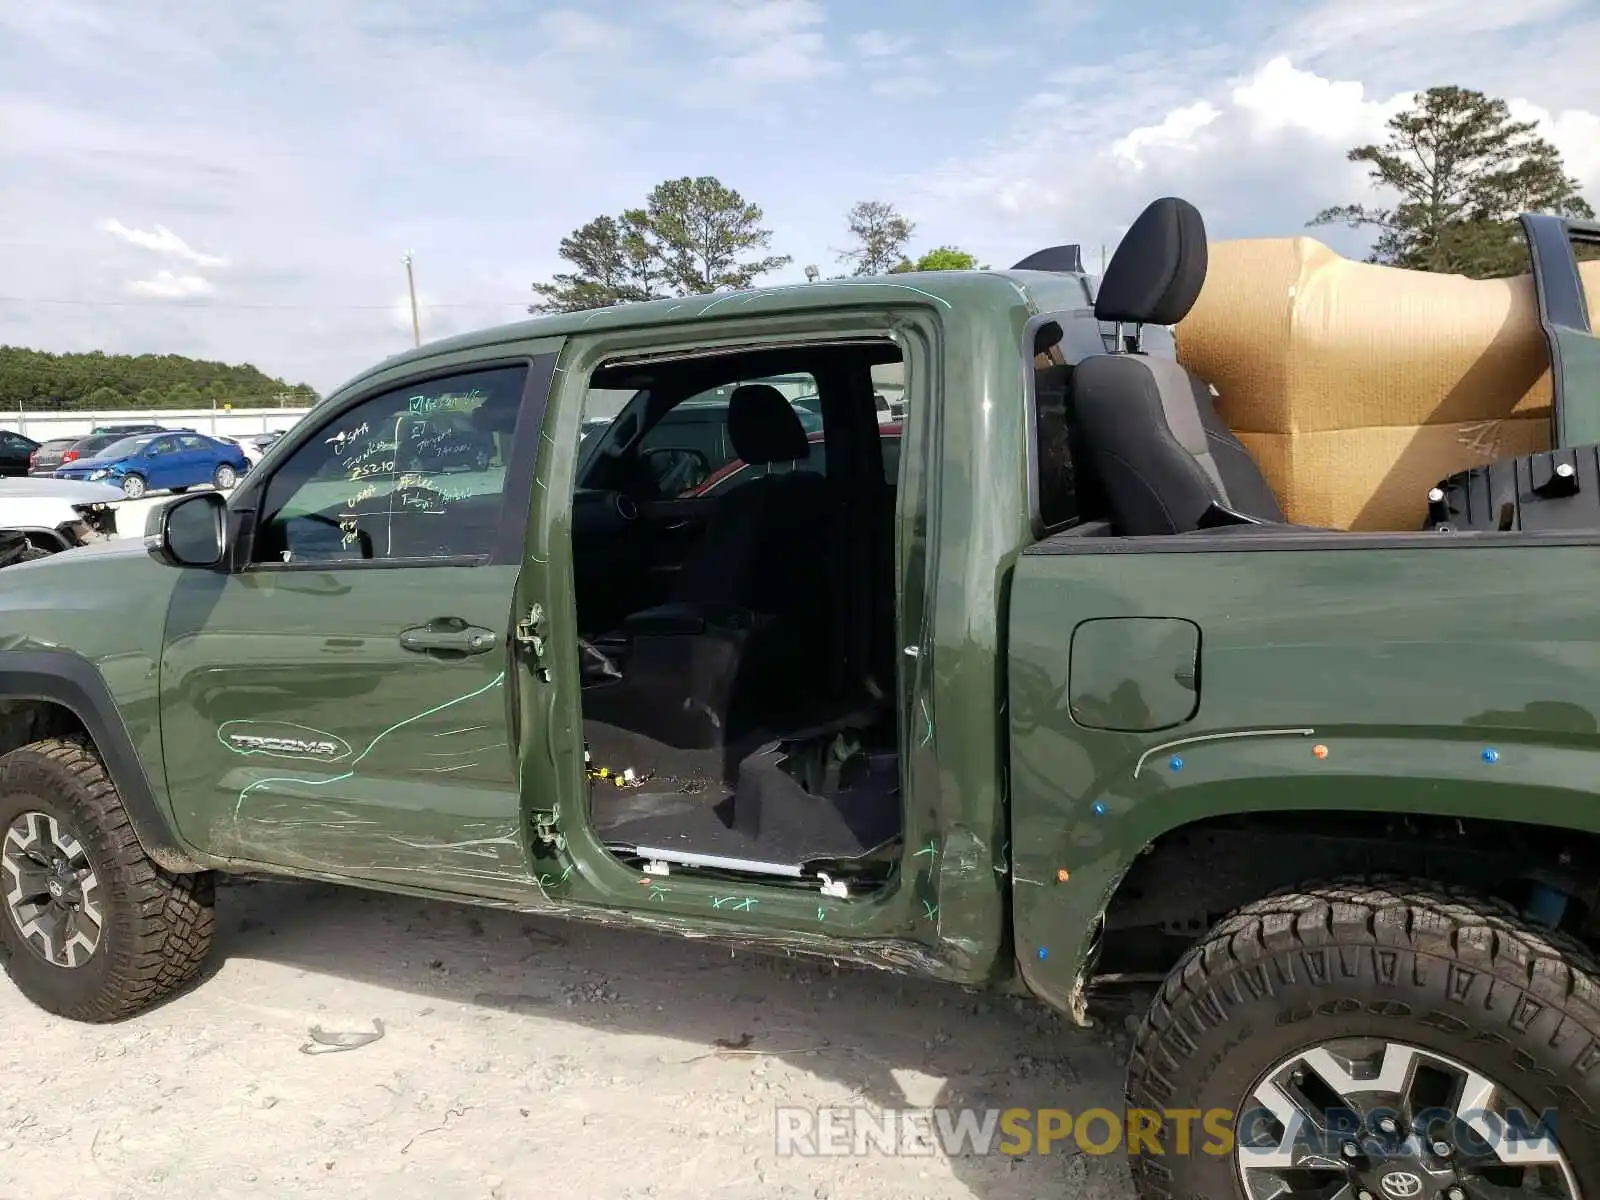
{"x":880,"y":234}
{"x":1462,"y":170}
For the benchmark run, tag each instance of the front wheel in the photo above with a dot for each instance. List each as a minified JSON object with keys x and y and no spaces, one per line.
{"x":224,"y":478}
{"x":134,"y":486}
{"x":1380,"y":1040}
{"x":90,"y":928}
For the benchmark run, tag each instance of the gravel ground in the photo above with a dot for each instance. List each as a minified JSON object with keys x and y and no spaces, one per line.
{"x":517,"y":1055}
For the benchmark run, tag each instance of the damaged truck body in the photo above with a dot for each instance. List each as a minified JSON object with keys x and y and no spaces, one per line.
{"x":1058,"y":698}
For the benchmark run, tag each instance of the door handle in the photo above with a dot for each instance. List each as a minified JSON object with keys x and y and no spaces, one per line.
{"x":456,"y":636}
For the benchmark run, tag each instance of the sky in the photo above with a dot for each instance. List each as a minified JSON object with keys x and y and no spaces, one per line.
{"x":240,"y":181}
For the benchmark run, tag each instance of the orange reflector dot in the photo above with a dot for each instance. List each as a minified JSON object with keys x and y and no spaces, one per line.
{"x":1063,"y":875}
{"x":1320,"y":751}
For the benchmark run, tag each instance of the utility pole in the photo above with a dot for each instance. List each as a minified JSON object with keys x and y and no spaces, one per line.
{"x":411,"y":286}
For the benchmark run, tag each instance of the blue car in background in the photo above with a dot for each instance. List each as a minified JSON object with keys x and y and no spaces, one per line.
{"x":154,"y":462}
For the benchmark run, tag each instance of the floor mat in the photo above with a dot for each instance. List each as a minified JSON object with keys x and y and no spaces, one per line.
{"x":769,"y":823}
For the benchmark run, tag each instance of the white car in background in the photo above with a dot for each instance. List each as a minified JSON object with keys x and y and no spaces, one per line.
{"x":251,"y":445}
{"x":51,"y":515}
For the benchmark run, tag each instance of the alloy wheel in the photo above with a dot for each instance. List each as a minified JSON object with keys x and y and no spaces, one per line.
{"x":225,"y":477}
{"x":52,"y":894}
{"x":1367,"y":1119}
{"x":132,"y":487}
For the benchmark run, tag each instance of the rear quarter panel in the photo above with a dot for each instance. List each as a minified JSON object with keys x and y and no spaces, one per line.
{"x":1454,"y":676}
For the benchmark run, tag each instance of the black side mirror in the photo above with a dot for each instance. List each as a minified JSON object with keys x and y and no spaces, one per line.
{"x":190,"y":531}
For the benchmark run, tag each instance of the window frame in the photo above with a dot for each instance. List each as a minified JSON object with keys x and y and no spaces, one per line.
{"x":1075,"y":351}
{"x":517,"y":484}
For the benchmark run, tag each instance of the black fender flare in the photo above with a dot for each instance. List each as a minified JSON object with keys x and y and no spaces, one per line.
{"x":73,"y":682}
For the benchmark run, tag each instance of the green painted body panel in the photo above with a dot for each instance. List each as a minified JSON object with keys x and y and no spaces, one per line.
{"x":412,"y":776}
{"x":1407,"y":664}
{"x":106,"y":604}
{"x":947,"y":291}
{"x":1580,"y":355}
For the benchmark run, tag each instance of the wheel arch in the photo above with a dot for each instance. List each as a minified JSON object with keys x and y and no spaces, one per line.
{"x":1517,"y":841}
{"x":1102,"y":852}
{"x":53,"y":693}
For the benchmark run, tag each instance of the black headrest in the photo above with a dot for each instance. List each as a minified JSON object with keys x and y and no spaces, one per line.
{"x":497,"y":414}
{"x":763,"y":426}
{"x":1156,"y":274}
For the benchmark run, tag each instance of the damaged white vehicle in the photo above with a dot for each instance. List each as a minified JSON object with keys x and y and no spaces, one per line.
{"x":40,"y":516}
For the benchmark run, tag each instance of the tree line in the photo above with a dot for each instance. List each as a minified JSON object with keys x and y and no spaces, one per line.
{"x":36,"y":380}
{"x":1456,"y":170}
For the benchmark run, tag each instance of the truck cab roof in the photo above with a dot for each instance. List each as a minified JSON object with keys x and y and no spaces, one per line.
{"x":1041,"y":291}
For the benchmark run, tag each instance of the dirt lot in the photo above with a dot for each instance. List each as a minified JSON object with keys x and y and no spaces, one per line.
{"x":519,"y":1056}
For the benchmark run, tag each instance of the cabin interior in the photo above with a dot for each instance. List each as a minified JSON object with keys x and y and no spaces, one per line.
{"x":738,"y":646}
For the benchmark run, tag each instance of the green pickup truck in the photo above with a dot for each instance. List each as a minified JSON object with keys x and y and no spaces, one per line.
{"x":1063,"y":705}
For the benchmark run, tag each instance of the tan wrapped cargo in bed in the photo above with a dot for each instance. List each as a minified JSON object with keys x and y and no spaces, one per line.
{"x":1358,"y":387}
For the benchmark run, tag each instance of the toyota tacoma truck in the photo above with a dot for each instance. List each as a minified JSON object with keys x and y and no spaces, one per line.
{"x":1061,"y":704}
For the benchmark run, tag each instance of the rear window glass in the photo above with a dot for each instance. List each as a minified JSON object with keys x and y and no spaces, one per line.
{"x":125,"y":447}
{"x":1052,"y":451}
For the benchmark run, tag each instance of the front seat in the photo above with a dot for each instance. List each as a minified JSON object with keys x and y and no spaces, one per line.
{"x":1164,"y":461}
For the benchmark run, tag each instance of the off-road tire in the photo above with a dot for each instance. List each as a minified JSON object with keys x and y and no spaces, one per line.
{"x":1407,"y":960}
{"x":158,"y":926}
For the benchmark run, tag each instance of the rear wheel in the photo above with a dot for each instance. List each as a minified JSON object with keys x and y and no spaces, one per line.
{"x":91,"y":929}
{"x":133,"y":486}
{"x":1383,"y":1040}
{"x":225,"y":477}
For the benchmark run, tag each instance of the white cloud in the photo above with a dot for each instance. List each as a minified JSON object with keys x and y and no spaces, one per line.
{"x":1259,"y":158}
{"x":1576,"y":134}
{"x":875,"y":43}
{"x":1178,"y":129}
{"x":570,"y":31}
{"x":167,"y":285}
{"x":979,"y":54}
{"x":894,"y":70}
{"x":1363,"y":25}
{"x":1281,"y":98}
{"x":759,"y":41}
{"x":908,"y":85}
{"x":163,"y":241}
